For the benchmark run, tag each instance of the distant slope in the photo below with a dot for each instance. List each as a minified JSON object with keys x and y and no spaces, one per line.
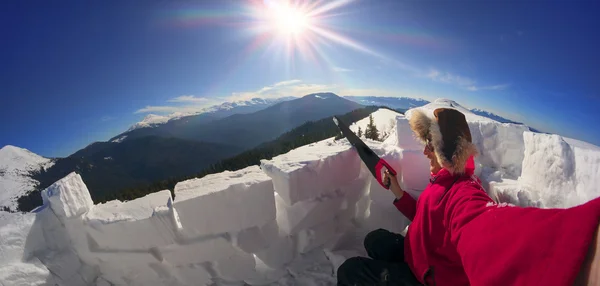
{"x":16,"y":165}
{"x":399,"y":103}
{"x":309,"y":132}
{"x":493,"y":116}
{"x":109,"y":167}
{"x":178,"y":123}
{"x":249,"y":130}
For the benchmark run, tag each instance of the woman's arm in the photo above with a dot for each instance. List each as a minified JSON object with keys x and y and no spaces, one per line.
{"x":403,"y":202}
{"x":499,"y":244}
{"x":590,"y":271}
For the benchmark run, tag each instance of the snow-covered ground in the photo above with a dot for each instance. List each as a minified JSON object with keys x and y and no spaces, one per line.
{"x":15,"y":165}
{"x":291,"y":221}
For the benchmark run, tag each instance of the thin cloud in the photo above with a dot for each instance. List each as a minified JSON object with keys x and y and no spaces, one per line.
{"x":107,"y":118}
{"x":288,"y":82}
{"x":339,"y":69}
{"x":188,"y":98}
{"x":192,"y":104}
{"x":491,"y":87}
{"x":461,"y":81}
{"x":446,"y":77}
{"x":290,"y":88}
{"x":293,"y":88}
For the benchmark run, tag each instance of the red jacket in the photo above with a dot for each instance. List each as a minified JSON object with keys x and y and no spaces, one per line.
{"x":459,"y":236}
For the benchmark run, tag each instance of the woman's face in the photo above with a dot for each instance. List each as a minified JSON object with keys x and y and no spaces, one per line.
{"x":434,"y":166}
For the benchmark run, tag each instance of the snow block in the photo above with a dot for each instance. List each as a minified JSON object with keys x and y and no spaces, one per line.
{"x":200,"y":251}
{"x":264,"y":275}
{"x":64,"y":264}
{"x":386,"y":216}
{"x":362,"y":208}
{"x":413,"y":174}
{"x":138,"y":224}
{"x":193,"y":274}
{"x":225,"y":202}
{"x":500,"y":145}
{"x":406,"y":137}
{"x":68,"y":197}
{"x":256,"y":238}
{"x":313,"y":170}
{"x":355,"y":190}
{"x":25,"y":274}
{"x":302,"y":215}
{"x":237,"y":267}
{"x":309,"y":239}
{"x":512,"y":192}
{"x":313,"y":261}
{"x":562,"y":172}
{"x":279,"y":253}
{"x":415,"y":171}
{"x":54,"y":231}
{"x":21,"y":237}
{"x":102,"y":282}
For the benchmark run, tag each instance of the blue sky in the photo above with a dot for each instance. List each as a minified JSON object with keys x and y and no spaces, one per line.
{"x":75,"y":72}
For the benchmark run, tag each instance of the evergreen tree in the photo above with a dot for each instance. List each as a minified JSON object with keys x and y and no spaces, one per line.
{"x":371,"y":132}
{"x":359,"y":132}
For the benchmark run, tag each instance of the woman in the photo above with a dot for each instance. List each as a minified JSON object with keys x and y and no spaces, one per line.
{"x":459,"y":236}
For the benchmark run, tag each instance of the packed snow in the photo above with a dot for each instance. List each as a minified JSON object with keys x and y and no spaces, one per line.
{"x":120,"y":139}
{"x":15,"y":166}
{"x":150,"y":120}
{"x":291,"y":221}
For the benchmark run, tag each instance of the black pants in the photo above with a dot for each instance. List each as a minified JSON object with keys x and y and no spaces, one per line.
{"x":387,"y":266}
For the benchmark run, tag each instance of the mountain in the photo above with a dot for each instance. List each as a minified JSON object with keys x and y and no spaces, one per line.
{"x":178,"y":122}
{"x":182,"y":147}
{"x":307,"y":133}
{"x":493,"y":116}
{"x":108,"y":167}
{"x":399,"y":103}
{"x":250,"y":129}
{"x":16,"y":166}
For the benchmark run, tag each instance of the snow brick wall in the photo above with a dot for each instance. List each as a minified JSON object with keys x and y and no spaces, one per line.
{"x":290,"y":221}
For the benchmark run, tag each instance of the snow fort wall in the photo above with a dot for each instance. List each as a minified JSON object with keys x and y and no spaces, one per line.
{"x":256,"y":225}
{"x":225,"y":202}
{"x":313,"y":170}
{"x":560,"y":172}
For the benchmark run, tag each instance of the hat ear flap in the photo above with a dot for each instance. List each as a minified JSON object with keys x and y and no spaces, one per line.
{"x":420,"y":124}
{"x":455,"y":133}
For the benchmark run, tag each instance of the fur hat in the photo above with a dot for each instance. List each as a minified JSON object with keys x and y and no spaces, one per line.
{"x":449,"y":135}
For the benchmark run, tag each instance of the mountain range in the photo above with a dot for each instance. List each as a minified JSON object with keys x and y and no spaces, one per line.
{"x":161,"y":148}
{"x":185,"y":145}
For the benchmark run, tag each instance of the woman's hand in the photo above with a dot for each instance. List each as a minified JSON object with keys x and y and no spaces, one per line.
{"x":393,"y":183}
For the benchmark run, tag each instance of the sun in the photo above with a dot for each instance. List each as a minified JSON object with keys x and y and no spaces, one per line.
{"x":298,"y":33}
{"x":289,"y":20}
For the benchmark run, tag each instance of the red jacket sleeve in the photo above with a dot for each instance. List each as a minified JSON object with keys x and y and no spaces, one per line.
{"x":407,"y":205}
{"x":508,"y":245}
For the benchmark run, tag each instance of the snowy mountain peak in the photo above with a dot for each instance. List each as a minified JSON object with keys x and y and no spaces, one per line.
{"x":15,"y":166}
{"x":323,"y":95}
{"x":450,"y":103}
{"x":17,"y":158}
{"x":153,"y":120}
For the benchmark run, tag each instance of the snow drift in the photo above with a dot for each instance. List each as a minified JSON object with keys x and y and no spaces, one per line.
{"x":291,"y":221}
